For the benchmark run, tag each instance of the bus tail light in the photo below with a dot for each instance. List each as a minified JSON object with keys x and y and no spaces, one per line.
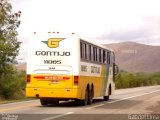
{"x":51,"y":78}
{"x":39,"y":77}
{"x":75,"y":80}
{"x":66,"y":78}
{"x":28,"y":78}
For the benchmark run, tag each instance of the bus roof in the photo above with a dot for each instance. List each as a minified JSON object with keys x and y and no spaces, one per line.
{"x":74,"y":34}
{"x":99,"y":45}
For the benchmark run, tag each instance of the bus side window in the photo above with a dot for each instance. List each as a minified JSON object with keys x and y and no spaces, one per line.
{"x":112,"y":58}
{"x":108,"y":58}
{"x":83,"y":50}
{"x":89,"y":52}
{"x":104,"y":57}
{"x":96,"y":56}
{"x":99,"y":55}
{"x":92,"y":53}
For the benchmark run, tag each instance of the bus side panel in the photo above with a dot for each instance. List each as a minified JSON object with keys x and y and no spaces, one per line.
{"x":96,"y":74}
{"x":110,"y":81}
{"x":89,"y":80}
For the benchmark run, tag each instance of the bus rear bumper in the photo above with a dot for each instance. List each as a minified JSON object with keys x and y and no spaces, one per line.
{"x":52,"y":93}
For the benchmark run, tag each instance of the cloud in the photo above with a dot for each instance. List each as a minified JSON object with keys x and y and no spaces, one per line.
{"x":124,"y":35}
{"x":103,"y":21}
{"x":147,"y":33}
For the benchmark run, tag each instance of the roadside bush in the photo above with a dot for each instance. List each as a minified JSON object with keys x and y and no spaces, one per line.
{"x":12,"y":83}
{"x":128,"y":80}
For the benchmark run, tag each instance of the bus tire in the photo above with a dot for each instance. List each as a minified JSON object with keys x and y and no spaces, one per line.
{"x":85,"y":100}
{"x":106,"y":98}
{"x":109,"y":93}
{"x":90,"y":96}
{"x":55,"y":102}
{"x":43,"y":102}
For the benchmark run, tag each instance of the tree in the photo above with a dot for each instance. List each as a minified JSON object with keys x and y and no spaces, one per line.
{"x":10,"y":83}
{"x":9,"y":45}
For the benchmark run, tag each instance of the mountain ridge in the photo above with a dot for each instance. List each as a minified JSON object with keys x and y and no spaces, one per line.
{"x":136,"y":57}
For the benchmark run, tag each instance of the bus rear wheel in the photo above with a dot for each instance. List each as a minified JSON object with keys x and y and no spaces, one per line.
{"x":106,"y":97}
{"x":43,"y":102}
{"x":109,"y":93}
{"x":85,"y":100}
{"x":90,"y":96}
{"x":55,"y":102}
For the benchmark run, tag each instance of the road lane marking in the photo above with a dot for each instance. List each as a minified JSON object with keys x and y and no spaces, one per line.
{"x":20,"y":107}
{"x":133,"y":96}
{"x":18,"y":102}
{"x":95,"y":106}
{"x":68,"y":113}
{"x":16,"y":108}
{"x":99,"y":105}
{"x":58,"y":116}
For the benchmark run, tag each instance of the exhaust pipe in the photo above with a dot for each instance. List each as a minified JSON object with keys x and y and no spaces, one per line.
{"x":37,"y":95}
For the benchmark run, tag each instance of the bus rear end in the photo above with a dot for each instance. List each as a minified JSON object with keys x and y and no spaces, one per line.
{"x":52,"y":67}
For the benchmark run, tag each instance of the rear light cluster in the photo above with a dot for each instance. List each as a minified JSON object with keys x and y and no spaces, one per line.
{"x":51,"y":77}
{"x":75,"y":80}
{"x":28,"y":78}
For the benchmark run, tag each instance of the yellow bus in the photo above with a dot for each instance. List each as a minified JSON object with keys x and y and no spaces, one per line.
{"x":65,"y":67}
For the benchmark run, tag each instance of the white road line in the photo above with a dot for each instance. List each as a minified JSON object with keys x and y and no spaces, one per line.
{"x":27,"y":101}
{"x":133,"y":96}
{"x":58,"y":116}
{"x":122,"y":99}
{"x":68,"y":113}
{"x":95,"y":106}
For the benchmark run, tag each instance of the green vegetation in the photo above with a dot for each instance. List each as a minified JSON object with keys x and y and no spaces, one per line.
{"x":12,"y":84}
{"x":11,"y":81}
{"x":129,"y":80}
{"x":9,"y":45}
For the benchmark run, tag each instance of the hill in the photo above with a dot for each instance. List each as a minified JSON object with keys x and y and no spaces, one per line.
{"x":136,"y":57}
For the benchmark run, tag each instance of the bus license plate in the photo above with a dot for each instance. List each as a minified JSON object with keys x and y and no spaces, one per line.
{"x":55,"y":82}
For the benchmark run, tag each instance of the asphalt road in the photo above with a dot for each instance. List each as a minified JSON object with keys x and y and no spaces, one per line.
{"x":125,"y":104}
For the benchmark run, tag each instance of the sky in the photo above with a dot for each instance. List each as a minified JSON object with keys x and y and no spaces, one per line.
{"x":102,"y":21}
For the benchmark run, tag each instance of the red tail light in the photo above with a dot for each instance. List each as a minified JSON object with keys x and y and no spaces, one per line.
{"x":28,"y":78}
{"x":75,"y":80}
{"x":39,"y":77}
{"x":66,"y":78}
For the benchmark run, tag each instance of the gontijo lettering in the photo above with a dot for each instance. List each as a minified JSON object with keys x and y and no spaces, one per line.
{"x":52,"y":53}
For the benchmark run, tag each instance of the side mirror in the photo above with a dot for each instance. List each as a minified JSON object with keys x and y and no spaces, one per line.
{"x":116,"y":69}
